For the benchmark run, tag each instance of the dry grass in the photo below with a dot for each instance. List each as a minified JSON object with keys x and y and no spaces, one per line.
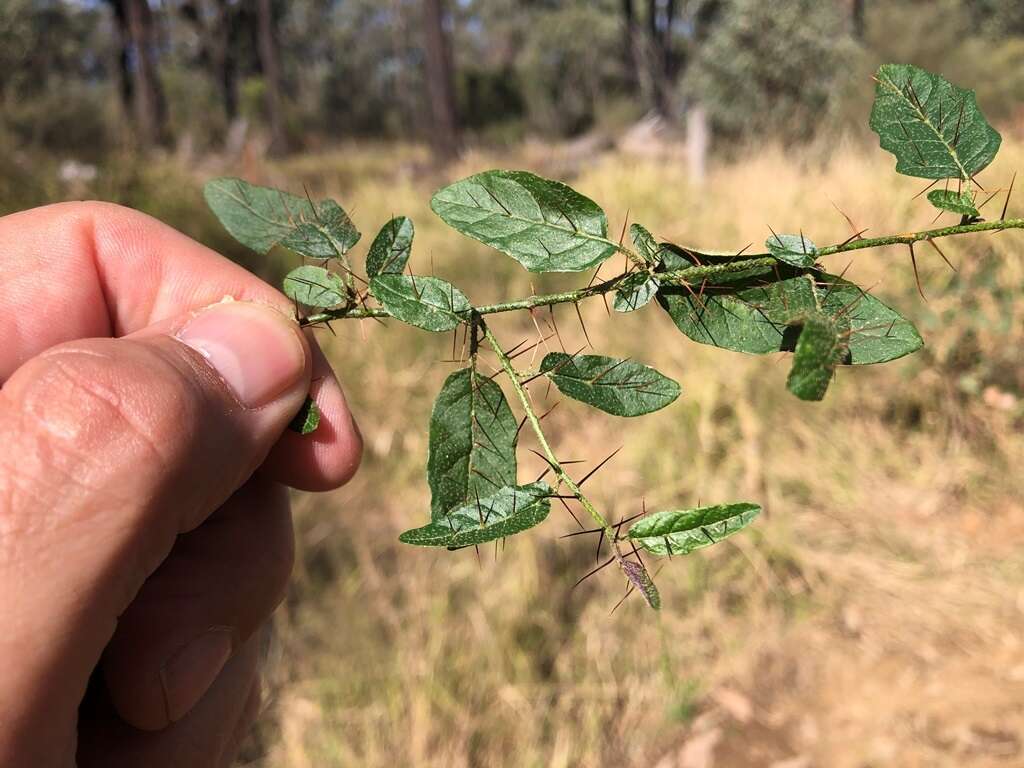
{"x":872,"y":616}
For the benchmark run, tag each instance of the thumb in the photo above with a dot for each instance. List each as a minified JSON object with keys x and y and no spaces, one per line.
{"x":111,"y":448}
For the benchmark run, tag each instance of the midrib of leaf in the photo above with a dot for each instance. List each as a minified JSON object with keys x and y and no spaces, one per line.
{"x":927,"y":121}
{"x":547,"y":222}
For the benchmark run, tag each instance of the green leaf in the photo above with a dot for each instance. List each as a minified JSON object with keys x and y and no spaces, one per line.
{"x":933,"y":127}
{"x":955,"y":202}
{"x":307,"y":419}
{"x":618,"y":387}
{"x":642,"y":582}
{"x":472,"y":447}
{"x":315,"y":287}
{"x":795,"y":250}
{"x":820,"y":347}
{"x":426,"y":302}
{"x":503,"y":513}
{"x":754,"y":314}
{"x":391,"y":248}
{"x":679,"y":532}
{"x":646,"y":246}
{"x":544,"y":225}
{"x":261,"y":217}
{"x":635,"y":291}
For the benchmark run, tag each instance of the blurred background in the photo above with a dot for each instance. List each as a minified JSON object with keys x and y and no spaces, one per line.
{"x":871,"y":617}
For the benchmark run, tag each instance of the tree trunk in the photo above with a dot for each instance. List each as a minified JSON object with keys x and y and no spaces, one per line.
{"x":440,"y":82}
{"x":271,"y":77}
{"x":141,"y":92}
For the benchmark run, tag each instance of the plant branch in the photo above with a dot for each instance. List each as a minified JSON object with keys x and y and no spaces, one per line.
{"x":690,"y":274}
{"x":549,"y":455}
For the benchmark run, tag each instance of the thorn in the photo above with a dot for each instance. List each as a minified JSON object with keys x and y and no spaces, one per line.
{"x":571,"y":513}
{"x":917,"y":276}
{"x":1002,"y":216}
{"x":606,"y":460}
{"x":625,"y":223}
{"x":629,"y":591}
{"x":925,"y":189}
{"x":853,"y":227}
{"x":554,"y":324}
{"x":582,"y":324}
{"x":939,"y":251}
{"x":605,"y":564}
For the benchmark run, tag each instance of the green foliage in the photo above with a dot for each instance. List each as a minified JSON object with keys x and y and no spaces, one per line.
{"x":504,"y":513}
{"x":429,"y":303}
{"x":819,"y":349}
{"x":618,"y":387}
{"x":261,"y":217}
{"x":542,"y":224}
{"x":933,"y":127}
{"x":307,"y":419}
{"x":315,"y":287}
{"x":472,"y":447}
{"x":679,"y":532}
{"x":954,"y":202}
{"x":777,"y":301}
{"x":795,"y":250}
{"x":391,"y":249}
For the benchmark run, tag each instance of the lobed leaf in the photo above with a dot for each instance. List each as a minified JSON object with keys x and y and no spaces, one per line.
{"x":315,"y":287}
{"x":752,"y":313}
{"x":261,"y":217}
{"x":506,"y":512}
{"x":543,"y":224}
{"x":795,"y":250}
{"x":307,"y":419}
{"x":642,"y":582}
{"x":820,"y":347}
{"x":390,"y":250}
{"x":635,"y":291}
{"x":953,"y":201}
{"x":429,"y":303}
{"x":618,"y":387}
{"x":934,"y":128}
{"x":679,"y":532}
{"x":472,"y":445}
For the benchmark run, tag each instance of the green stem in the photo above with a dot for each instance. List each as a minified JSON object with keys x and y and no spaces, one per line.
{"x":531,"y":416}
{"x":690,"y":274}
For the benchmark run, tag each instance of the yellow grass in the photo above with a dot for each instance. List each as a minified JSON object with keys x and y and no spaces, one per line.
{"x":871,"y":617}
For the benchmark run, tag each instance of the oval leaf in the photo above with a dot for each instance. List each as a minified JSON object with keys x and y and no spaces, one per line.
{"x":507,"y":512}
{"x":618,"y":387}
{"x":472,"y":446}
{"x":752,"y":314}
{"x":819,"y":349}
{"x":795,"y":250}
{"x":644,"y":242}
{"x":642,"y":582}
{"x":262,"y":217}
{"x":679,"y":532}
{"x":953,"y":201}
{"x":635,"y":291}
{"x":426,"y":302}
{"x":544,"y":225}
{"x":391,"y":248}
{"x":933,"y":127}
{"x":315,"y":287}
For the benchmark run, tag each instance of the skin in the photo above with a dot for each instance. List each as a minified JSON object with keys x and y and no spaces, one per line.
{"x":143,"y":499}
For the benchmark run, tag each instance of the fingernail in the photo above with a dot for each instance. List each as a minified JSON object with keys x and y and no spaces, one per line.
{"x":190,"y":672}
{"x":255,"y":349}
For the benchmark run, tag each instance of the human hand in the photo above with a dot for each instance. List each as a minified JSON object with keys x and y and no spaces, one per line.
{"x":145,"y":535}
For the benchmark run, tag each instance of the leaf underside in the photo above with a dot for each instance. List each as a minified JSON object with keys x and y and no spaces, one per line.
{"x":429,"y":303}
{"x":315,"y":287}
{"x":934,"y":128}
{"x":953,"y":201}
{"x":646,"y":246}
{"x":635,"y":291}
{"x":260,"y":218}
{"x":679,"y":532}
{"x":391,"y":248}
{"x":506,"y":512}
{"x":753,"y":313}
{"x":472,"y":443}
{"x":543,"y":224}
{"x":641,"y":580}
{"x":795,"y":250}
{"x":618,"y":387}
{"x":819,"y":349}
